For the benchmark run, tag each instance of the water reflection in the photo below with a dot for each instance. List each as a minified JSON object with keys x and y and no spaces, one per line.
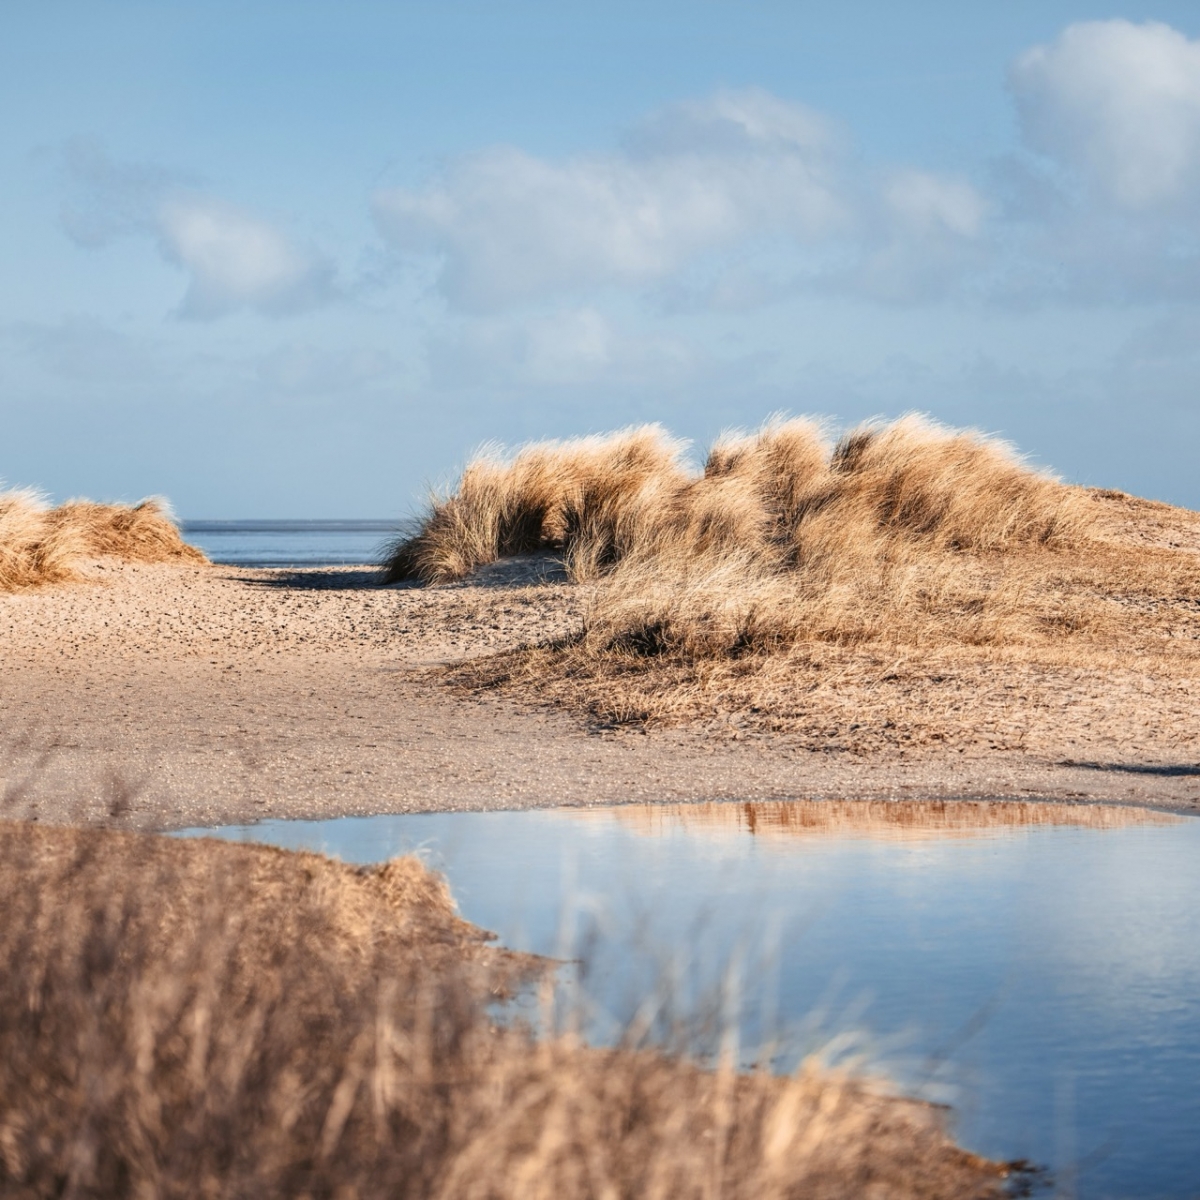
{"x":1040,"y":963}
{"x":887,"y":820}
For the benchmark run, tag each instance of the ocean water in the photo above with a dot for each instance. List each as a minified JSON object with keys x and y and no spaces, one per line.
{"x":1044,"y":979}
{"x":291,"y":543}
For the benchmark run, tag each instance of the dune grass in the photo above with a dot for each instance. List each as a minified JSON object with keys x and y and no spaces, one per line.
{"x":198,"y":1018}
{"x":721,"y":587}
{"x":41,"y":545}
{"x":589,"y":498}
{"x":782,"y":499}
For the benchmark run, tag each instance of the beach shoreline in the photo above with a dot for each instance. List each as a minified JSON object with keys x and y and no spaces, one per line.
{"x":169,"y":696}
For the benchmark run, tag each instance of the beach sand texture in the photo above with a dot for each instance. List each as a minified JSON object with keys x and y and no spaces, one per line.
{"x":166,"y":696}
{"x":908,"y":613}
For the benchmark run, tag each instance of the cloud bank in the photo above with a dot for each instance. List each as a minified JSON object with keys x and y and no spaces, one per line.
{"x":740,"y":200}
{"x":739,"y":169}
{"x":743,"y":198}
{"x":1110,"y":116}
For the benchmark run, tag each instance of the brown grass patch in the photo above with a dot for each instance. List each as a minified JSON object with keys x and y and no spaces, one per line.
{"x":200,"y":1018}
{"x":736,"y":589}
{"x":781,"y":499}
{"x":588,"y":497}
{"x":40,"y":545}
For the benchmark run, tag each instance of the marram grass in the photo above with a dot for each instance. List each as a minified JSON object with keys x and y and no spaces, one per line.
{"x":40,"y":544}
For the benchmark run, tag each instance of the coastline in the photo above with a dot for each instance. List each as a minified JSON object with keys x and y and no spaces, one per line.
{"x":164,"y":696}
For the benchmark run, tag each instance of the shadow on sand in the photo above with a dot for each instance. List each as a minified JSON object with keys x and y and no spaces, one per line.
{"x":1162,"y":769}
{"x":346,"y":579}
{"x":530,"y":570}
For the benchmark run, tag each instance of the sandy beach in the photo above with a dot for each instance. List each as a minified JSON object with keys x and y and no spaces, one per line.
{"x":166,"y":696}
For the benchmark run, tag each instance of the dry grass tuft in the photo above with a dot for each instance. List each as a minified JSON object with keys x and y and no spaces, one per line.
{"x":782,"y":498}
{"x":721,"y":589}
{"x":40,"y":545}
{"x":207,"y":1019}
{"x":28,"y":554}
{"x":587,"y":497}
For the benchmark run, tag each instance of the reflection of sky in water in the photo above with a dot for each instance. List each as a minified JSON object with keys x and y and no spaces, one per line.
{"x":290,"y":543}
{"x":1058,"y":965}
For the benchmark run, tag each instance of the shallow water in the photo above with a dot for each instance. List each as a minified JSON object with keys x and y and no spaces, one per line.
{"x":290,"y":543}
{"x":1043,"y":977}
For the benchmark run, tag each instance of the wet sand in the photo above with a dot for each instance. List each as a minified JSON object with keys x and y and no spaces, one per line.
{"x":167,"y":696}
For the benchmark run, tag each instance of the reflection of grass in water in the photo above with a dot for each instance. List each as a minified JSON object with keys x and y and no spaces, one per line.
{"x":200,"y":1018}
{"x":901,"y":820}
{"x":49,"y":545}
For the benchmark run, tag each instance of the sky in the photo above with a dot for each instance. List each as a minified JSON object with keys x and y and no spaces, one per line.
{"x":297,"y":259}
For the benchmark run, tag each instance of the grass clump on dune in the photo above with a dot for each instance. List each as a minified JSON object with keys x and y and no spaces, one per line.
{"x":183,"y":1018}
{"x":784,"y":498}
{"x":589,"y":498}
{"x":717,"y":588}
{"x":40,"y":544}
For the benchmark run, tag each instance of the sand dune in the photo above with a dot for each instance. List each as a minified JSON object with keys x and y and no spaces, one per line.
{"x":41,"y":545}
{"x":907,"y":612}
{"x":793,"y":565}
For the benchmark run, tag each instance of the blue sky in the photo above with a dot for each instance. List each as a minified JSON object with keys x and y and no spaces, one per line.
{"x":297,"y":259}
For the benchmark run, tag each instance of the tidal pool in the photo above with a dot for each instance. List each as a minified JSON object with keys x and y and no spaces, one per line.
{"x":1037,"y":966}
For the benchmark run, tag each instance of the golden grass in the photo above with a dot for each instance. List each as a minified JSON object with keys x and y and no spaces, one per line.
{"x":40,"y":545}
{"x":895,"y":542}
{"x":587,"y":496}
{"x":783,"y":498}
{"x":206,"y":1019}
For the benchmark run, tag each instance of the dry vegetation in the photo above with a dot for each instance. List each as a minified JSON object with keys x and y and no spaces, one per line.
{"x":182,"y":1018}
{"x":793,"y":565}
{"x":39,"y":544}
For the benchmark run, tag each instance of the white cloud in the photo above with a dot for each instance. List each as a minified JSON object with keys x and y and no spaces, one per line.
{"x":925,"y":240}
{"x":1119,"y":104}
{"x":694,"y":178}
{"x":233,"y":259}
{"x":742,"y":200}
{"x":926,"y":203}
{"x":732,"y":122}
{"x":1107,"y":207}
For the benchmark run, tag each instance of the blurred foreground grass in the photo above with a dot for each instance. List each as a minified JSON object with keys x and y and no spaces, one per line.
{"x":203,"y":1018}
